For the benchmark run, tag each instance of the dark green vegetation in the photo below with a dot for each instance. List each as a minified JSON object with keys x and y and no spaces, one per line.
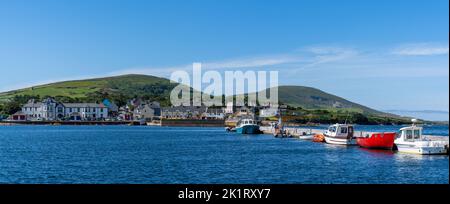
{"x":305,"y":104}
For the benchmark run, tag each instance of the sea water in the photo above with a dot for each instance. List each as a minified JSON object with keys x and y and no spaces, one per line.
{"x":151,"y":155}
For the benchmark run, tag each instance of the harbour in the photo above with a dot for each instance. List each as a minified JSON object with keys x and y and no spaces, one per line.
{"x":152,"y":154}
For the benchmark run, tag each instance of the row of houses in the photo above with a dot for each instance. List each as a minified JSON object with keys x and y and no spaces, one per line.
{"x":50,"y":110}
{"x":193,"y":112}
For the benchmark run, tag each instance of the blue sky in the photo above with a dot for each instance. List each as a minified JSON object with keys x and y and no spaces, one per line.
{"x":388,"y":55}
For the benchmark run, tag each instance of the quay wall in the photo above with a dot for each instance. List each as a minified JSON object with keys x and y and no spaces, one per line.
{"x":192,"y":123}
{"x":69,"y":123}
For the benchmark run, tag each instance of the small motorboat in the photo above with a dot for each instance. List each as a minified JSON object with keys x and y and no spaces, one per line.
{"x":304,"y":134}
{"x":411,"y":140}
{"x":247,"y":126}
{"x":306,"y":137}
{"x":340,"y":134}
{"x":376,"y":140}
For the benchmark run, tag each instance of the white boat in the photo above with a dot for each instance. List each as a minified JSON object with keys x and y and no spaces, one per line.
{"x":304,"y":134}
{"x":411,"y":140}
{"x":340,"y":134}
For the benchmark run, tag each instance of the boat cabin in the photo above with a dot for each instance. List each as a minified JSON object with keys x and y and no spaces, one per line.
{"x":340,"y":130}
{"x":410,"y":134}
{"x":246,"y":122}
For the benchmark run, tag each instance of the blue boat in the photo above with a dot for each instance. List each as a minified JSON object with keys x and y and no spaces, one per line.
{"x":247,"y":126}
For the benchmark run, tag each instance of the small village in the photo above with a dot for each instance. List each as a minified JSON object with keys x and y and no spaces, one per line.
{"x":138,"y":111}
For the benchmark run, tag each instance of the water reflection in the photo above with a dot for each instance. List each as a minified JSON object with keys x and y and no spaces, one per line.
{"x":378,"y":152}
{"x":334,"y":146}
{"x":406,"y":157}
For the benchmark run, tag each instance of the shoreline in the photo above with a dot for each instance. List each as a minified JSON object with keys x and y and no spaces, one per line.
{"x":170,"y":122}
{"x":7,"y":123}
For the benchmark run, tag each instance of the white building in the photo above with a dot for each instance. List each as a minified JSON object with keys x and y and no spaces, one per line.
{"x":268,"y":112}
{"x":230,"y":108}
{"x":85,"y":111}
{"x":50,"y":109}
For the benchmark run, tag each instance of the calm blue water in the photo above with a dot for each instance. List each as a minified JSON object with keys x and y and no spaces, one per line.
{"x":127,"y":154}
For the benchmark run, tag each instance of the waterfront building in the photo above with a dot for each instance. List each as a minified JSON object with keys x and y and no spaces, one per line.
{"x":183,"y":112}
{"x":230,"y":108}
{"x":193,"y":112}
{"x":268,"y":112}
{"x":85,"y":111}
{"x":112,"y":107}
{"x":124,"y":114}
{"x":50,"y":109}
{"x":214,"y":113}
{"x":147,"y":111}
{"x":19,"y":116}
{"x":244,"y":111}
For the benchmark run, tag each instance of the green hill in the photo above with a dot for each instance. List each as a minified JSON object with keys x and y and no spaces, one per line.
{"x":120,"y":89}
{"x":312,"y":98}
{"x":311,"y":105}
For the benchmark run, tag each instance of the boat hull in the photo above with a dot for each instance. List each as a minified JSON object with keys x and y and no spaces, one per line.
{"x":338,"y":141}
{"x":248,"y":129}
{"x":412,"y":149}
{"x":377,"y":141}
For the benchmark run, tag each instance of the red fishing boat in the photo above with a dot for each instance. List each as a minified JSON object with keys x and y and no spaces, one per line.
{"x":377,"y":140}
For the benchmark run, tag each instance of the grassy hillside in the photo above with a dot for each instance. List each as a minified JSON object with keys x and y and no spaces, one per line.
{"x":119,"y":88}
{"x":312,"y":98}
{"x":306,"y":103}
{"x":311,"y":105}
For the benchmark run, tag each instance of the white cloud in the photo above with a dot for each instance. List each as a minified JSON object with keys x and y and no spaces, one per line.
{"x":318,"y":55}
{"x":253,"y":62}
{"x":308,"y":57}
{"x":354,"y":62}
{"x":421,"y":49}
{"x":249,"y":62}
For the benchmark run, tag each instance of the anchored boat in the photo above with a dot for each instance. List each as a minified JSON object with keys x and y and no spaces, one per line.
{"x":411,"y":140}
{"x":377,"y":140}
{"x":341,"y":134}
{"x":247,"y":126}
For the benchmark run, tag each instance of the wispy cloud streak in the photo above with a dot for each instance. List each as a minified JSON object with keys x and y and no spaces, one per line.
{"x":421,"y":49}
